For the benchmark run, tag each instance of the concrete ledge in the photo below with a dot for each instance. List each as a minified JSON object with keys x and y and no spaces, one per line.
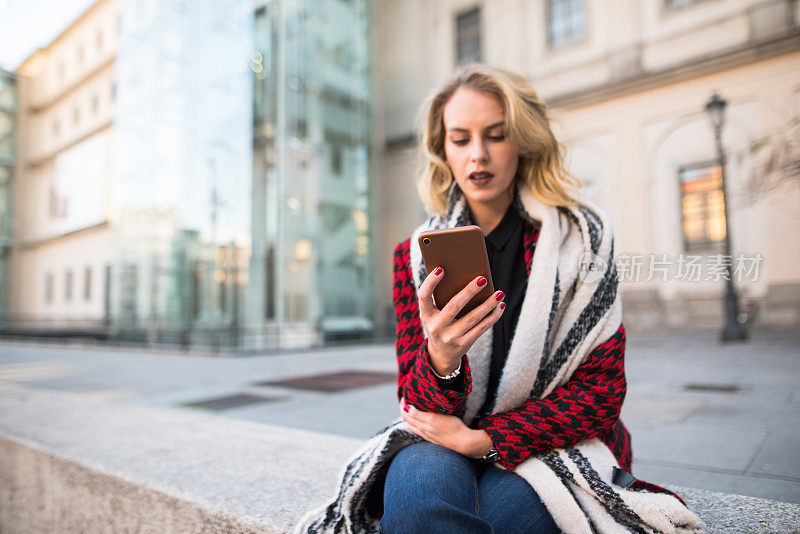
{"x":725,"y":512}
{"x":65,"y":459}
{"x":44,"y":492}
{"x":75,"y":464}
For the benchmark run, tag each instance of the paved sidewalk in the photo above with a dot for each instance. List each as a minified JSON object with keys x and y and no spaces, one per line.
{"x":702,"y":415}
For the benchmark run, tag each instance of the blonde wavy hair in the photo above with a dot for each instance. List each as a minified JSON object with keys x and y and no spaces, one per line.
{"x":541,"y":155}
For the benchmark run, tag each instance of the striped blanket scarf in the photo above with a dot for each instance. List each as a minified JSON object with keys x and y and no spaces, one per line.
{"x":571,"y":306}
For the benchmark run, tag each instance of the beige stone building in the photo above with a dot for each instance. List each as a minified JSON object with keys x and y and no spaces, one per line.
{"x":62,"y":206}
{"x":627,"y":82}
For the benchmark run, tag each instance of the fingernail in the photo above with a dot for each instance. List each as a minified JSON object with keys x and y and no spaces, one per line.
{"x":406,"y":408}
{"x":500,"y":295}
{"x":502,"y":305}
{"x":481,"y":281}
{"x":438,"y":271}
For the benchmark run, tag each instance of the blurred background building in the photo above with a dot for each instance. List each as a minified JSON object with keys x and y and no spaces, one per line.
{"x":8,"y":127}
{"x":627,"y":82}
{"x":236,"y":174}
{"x":196,"y":173}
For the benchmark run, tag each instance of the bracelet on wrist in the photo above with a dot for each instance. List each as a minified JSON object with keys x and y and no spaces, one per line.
{"x":451,"y":375}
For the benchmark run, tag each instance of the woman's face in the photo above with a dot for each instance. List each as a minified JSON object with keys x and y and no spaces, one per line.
{"x":483,"y":160}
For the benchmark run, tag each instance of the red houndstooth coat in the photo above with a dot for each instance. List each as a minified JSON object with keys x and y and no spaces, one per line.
{"x":586,"y":407}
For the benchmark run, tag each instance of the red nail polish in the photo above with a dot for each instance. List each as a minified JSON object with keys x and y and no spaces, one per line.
{"x":406,"y":408}
{"x":481,"y":281}
{"x":500,"y":296}
{"x":502,"y":305}
{"x":438,"y":271}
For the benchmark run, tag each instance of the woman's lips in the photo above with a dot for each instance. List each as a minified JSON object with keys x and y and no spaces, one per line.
{"x":480,"y":179}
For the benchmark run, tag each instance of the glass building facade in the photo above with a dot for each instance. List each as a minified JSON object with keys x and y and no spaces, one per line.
{"x":8,"y":121}
{"x":241,"y":173}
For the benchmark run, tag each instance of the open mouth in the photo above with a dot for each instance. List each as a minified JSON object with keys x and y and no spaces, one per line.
{"x":480,"y":178}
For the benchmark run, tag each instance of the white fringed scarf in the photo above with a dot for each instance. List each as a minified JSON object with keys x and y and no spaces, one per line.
{"x":565,"y":315}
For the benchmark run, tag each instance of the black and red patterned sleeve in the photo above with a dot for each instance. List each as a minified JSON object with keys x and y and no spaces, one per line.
{"x":416,"y":381}
{"x":586,"y":407}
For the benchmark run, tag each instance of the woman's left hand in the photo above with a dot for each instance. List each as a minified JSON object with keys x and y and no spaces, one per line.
{"x":446,"y":430}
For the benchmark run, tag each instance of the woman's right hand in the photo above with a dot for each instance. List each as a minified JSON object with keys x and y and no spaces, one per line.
{"x":449,"y":338}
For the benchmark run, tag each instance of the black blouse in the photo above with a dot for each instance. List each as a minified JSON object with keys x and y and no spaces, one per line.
{"x":504,"y":246}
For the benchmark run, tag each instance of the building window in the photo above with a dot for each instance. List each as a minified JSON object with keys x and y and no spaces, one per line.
{"x":468,"y":37}
{"x":95,"y":104}
{"x":566,"y":21}
{"x":56,"y":127}
{"x":49,"y":282}
{"x":76,"y":116}
{"x":58,"y":204}
{"x":703,"y":208}
{"x":87,"y":284}
{"x":99,"y":40}
{"x":336,"y":159}
{"x":68,"y":287}
{"x":128,"y":293}
{"x":79,"y":55}
{"x":107,"y":294}
{"x":61,"y":70}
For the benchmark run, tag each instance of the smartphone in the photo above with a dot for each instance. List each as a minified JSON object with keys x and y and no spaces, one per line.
{"x":461,"y":252}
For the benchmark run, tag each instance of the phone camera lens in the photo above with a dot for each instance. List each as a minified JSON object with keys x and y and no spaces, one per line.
{"x":426,"y":241}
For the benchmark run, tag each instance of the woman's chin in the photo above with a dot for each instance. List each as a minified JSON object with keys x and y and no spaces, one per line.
{"x":483,"y":196}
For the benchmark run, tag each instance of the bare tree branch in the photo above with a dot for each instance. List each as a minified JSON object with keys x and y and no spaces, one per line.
{"x":776,"y":162}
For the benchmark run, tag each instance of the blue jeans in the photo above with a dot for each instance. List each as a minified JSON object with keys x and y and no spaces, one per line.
{"x":433,"y":489}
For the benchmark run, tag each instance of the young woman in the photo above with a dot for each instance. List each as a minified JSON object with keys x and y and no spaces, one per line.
{"x":509,"y":416}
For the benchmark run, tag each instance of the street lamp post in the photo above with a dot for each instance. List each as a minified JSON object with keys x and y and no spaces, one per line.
{"x":733,"y":330}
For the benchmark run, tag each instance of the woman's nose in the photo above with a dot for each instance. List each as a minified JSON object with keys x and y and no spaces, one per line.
{"x":479,"y":152}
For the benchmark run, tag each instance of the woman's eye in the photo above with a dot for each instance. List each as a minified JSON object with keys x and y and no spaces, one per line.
{"x":494,"y":138}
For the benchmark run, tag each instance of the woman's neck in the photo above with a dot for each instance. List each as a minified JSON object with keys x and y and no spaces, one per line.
{"x":488,"y":216}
